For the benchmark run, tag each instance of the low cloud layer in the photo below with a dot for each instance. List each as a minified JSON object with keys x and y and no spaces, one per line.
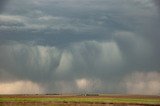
{"x":72,"y":46}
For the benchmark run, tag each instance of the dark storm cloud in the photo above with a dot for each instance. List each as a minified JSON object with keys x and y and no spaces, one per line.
{"x":2,"y":4}
{"x":157,"y":2}
{"x":71,"y":46}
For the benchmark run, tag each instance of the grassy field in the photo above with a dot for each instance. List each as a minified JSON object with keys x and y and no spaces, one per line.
{"x":51,"y":100}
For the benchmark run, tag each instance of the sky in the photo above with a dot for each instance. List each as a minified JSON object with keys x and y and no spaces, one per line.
{"x":79,"y":46}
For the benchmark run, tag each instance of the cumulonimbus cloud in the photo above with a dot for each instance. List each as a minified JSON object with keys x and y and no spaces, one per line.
{"x":71,"y":46}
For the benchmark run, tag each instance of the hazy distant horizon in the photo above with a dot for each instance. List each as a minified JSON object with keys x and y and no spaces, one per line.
{"x":80,"y":46}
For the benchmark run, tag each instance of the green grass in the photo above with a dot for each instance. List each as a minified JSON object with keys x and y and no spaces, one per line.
{"x":88,"y":99}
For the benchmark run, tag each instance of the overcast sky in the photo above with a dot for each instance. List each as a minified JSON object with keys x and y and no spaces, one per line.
{"x":77,"y":46}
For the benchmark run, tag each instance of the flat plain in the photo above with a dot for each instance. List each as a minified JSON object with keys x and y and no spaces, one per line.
{"x":79,"y":100}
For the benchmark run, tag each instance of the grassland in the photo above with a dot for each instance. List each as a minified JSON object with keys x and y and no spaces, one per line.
{"x":64,"y":100}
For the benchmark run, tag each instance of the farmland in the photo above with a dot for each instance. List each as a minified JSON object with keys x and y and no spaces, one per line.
{"x":79,"y":100}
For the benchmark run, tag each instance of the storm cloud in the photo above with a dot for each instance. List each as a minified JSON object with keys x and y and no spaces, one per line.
{"x":2,"y":4}
{"x":72,"y":46}
{"x":157,"y":2}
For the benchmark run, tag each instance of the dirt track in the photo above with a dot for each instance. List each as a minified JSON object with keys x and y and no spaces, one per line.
{"x":69,"y":104}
